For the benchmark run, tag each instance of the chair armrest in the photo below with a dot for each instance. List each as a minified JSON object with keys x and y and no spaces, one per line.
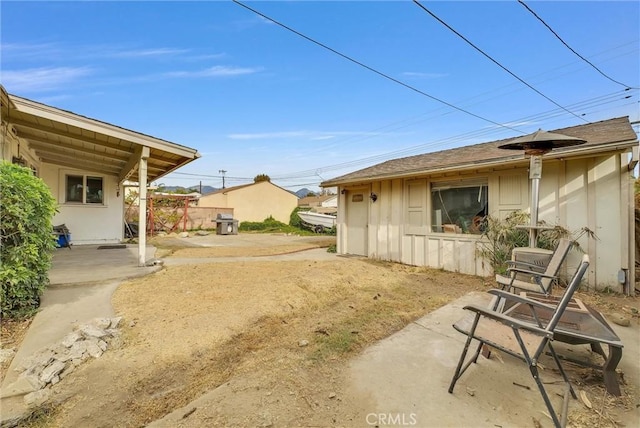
{"x":520,"y":299}
{"x":532,"y":273}
{"x":509,"y":321}
{"x":523,"y":264}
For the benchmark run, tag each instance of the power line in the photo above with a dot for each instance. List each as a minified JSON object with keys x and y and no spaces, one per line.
{"x":494,"y":61}
{"x":589,"y":103}
{"x":373,"y":70}
{"x":570,"y":48}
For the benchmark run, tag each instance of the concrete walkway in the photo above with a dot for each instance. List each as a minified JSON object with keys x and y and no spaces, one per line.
{"x":82,"y":281}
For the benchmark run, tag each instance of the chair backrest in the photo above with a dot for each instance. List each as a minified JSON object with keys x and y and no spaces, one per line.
{"x":560,"y":253}
{"x":568,"y":293}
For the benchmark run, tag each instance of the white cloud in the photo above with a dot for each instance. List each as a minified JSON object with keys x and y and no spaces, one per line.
{"x":42,"y":79}
{"x":215,"y":71}
{"x":28,"y":51}
{"x":419,"y":75}
{"x":146,"y":53}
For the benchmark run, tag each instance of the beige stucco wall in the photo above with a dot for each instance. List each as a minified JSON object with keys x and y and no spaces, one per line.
{"x":589,"y":192}
{"x":88,"y":223}
{"x":255,"y":202}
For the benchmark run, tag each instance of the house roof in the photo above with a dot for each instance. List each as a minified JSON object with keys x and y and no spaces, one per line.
{"x":606,"y":135}
{"x":307,"y":200}
{"x":242,"y":186}
{"x":63,"y":138}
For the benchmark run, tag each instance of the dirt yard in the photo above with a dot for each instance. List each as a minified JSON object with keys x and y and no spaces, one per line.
{"x":274,"y":336}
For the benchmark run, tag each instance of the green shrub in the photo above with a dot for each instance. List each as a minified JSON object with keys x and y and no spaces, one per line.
{"x":502,"y":236}
{"x":295,"y":220}
{"x":26,"y":240}
{"x":269,"y":224}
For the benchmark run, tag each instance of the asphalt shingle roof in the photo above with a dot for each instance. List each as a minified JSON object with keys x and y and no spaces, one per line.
{"x":597,"y":134}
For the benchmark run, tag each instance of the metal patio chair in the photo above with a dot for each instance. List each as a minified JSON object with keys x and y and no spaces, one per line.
{"x":530,"y":277}
{"x":526,"y":341}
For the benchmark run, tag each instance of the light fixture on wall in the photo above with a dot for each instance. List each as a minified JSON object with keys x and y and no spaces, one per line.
{"x":343,"y":191}
{"x":373,"y":197}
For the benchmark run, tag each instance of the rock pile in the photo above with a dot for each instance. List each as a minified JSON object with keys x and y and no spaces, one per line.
{"x":50,"y":365}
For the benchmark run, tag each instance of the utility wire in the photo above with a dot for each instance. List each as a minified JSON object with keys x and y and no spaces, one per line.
{"x":386,"y":76}
{"x":589,"y":103}
{"x":494,"y":61}
{"x":570,"y":48}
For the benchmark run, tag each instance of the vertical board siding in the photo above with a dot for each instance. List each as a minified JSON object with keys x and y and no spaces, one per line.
{"x":574,"y":193}
{"x":607,"y":221}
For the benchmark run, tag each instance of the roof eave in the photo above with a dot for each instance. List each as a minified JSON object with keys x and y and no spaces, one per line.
{"x":569,"y":152}
{"x":68,"y":118}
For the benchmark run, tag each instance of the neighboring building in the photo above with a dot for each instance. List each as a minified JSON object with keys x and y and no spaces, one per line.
{"x":420,"y":210}
{"x":85,"y":163}
{"x":253,"y":202}
{"x":324,"y":204}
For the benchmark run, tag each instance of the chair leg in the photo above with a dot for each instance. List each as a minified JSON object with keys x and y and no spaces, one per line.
{"x":460,"y":369}
{"x":534,"y":372}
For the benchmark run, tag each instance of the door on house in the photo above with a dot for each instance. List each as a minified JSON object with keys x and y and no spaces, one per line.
{"x":357,"y":218}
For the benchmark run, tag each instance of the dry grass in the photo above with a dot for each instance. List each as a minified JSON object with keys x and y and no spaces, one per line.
{"x":11,"y":334}
{"x":198,"y":327}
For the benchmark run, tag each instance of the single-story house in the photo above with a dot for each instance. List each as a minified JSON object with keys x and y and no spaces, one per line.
{"x":253,"y":202}
{"x":85,"y":163}
{"x":420,"y":210}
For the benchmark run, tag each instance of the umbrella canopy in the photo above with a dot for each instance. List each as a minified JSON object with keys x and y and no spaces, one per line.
{"x":541,"y":142}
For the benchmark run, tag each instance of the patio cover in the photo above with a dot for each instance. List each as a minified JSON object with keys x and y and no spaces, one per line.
{"x":63,"y":138}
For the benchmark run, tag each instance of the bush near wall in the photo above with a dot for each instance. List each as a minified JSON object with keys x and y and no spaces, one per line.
{"x":26,"y":241}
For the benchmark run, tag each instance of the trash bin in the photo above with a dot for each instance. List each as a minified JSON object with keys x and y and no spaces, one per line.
{"x":226,"y":225}
{"x":63,"y":236}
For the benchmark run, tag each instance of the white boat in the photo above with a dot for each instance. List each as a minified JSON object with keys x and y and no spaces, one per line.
{"x":317,"y":221}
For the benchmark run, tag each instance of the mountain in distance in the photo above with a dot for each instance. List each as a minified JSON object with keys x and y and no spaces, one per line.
{"x":302,"y":192}
{"x":196,"y":188}
{"x":205,"y":189}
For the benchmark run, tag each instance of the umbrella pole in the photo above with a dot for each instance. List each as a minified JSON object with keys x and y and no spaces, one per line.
{"x":535,"y":173}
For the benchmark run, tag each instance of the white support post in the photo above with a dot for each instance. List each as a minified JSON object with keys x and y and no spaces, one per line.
{"x":142,"y":211}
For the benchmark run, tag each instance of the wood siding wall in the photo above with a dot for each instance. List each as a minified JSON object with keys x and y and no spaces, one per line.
{"x":576,"y":193}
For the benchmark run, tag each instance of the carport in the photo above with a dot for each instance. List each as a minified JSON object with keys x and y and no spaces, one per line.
{"x":54,"y":142}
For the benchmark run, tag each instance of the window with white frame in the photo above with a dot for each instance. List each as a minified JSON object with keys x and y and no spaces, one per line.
{"x":459,"y":206}
{"x":84,"y":189}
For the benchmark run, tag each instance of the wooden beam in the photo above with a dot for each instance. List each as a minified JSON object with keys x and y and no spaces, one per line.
{"x":24,"y":124}
{"x":23,"y":127}
{"x":37,"y":142}
{"x":129,"y":168}
{"x":70,"y":164}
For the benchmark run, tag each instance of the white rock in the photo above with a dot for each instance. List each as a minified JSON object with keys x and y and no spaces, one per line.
{"x":102,"y":345}
{"x":101,"y":322}
{"x":78,"y":350}
{"x":184,"y":234}
{"x":93,"y":349}
{"x":71,"y":338}
{"x":89,"y":330}
{"x":115,"y":322}
{"x":51,"y":371}
{"x":303,"y":343}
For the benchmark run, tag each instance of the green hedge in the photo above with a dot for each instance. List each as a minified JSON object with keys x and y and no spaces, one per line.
{"x":26,"y":241}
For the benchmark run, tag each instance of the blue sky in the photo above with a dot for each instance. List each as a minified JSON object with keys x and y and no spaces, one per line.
{"x":255,"y":98}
